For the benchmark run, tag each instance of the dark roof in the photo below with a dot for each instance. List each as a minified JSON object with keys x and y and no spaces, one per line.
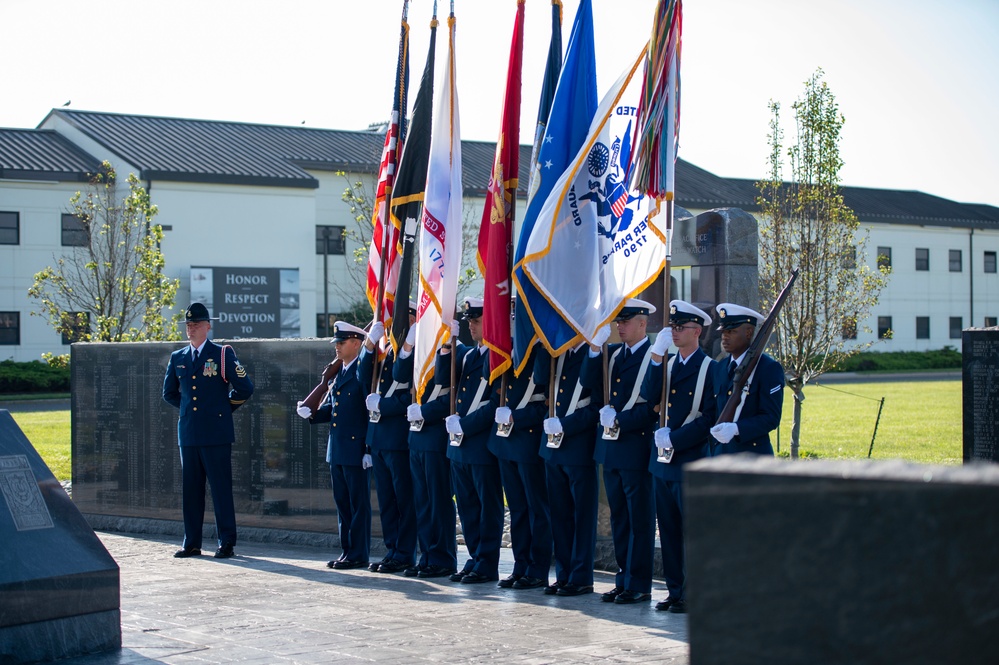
{"x":34,"y":154}
{"x":186,"y":150}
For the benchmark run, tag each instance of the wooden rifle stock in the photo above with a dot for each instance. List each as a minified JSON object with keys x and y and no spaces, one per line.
{"x":753,"y":353}
{"x":315,"y":398}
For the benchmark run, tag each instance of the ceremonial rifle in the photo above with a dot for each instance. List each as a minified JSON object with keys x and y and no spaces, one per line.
{"x":753,"y":353}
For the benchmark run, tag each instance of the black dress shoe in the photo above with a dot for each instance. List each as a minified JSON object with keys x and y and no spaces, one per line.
{"x":678,"y":607}
{"x":575,"y":590}
{"x":224,"y":552}
{"x":186,"y":552}
{"x":526,"y":582}
{"x":347,"y":564}
{"x":373,"y":566}
{"x":508,"y":582}
{"x":663,"y":605}
{"x":392,"y":567}
{"x":609,"y":596}
{"x":458,"y":576}
{"x":411,"y":571}
{"x":553,"y":588}
{"x":474,"y":578}
{"x":631,"y":597}
{"x":437,"y":571}
{"x":332,"y":564}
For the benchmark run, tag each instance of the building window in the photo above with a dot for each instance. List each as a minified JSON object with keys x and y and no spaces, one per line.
{"x":955,"y":260}
{"x":325,"y":329}
{"x":849,"y":257}
{"x":990,"y":262}
{"x":884,"y":327}
{"x":10,"y":328}
{"x":955,"y":327}
{"x":991,"y":321}
{"x":74,"y":234}
{"x":331,"y":240}
{"x":884,"y":257}
{"x":79,"y":327}
{"x":922,"y":258}
{"x":922,"y":327}
{"x":10,"y":229}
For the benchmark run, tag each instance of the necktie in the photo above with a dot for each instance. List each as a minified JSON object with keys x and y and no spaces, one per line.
{"x":194,"y":354}
{"x":731,"y":369}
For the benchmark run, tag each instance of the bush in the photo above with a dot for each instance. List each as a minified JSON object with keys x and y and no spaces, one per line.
{"x":896,"y":361}
{"x":33,"y":377}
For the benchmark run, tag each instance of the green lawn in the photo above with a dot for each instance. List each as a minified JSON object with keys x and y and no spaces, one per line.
{"x":921,"y":422}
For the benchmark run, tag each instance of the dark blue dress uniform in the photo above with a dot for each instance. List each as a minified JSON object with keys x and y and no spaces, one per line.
{"x":344,"y":409}
{"x":626,"y":467}
{"x":474,"y":470}
{"x":431,"y":472}
{"x":388,"y":442}
{"x":573,"y":488}
{"x":522,"y":472}
{"x":690,"y":442}
{"x":205,"y":433}
{"x":761,"y":406}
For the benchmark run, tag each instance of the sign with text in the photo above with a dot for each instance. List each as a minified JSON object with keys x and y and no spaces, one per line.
{"x":249,"y":302}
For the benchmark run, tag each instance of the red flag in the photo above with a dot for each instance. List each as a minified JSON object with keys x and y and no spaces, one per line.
{"x":383,"y":264}
{"x":496,"y":230}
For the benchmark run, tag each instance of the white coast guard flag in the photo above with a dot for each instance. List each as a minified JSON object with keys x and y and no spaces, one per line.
{"x":440,"y":234}
{"x":594,"y":244}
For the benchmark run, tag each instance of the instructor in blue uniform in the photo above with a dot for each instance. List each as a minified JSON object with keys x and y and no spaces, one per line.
{"x":690,"y":408}
{"x":763,"y":395}
{"x":207,"y":383}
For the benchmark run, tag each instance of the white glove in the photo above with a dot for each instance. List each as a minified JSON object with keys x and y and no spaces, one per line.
{"x":661,"y":436}
{"x":376,"y":332}
{"x":553,"y":426}
{"x":455,"y":329}
{"x":414,"y":413}
{"x":608,"y":416}
{"x":663,"y":341}
{"x":371,"y":401}
{"x":411,"y":336}
{"x":601,"y":336}
{"x":504,"y":416}
{"x":366,"y":462}
{"x":453,"y":424}
{"x":304,"y":411}
{"x":725,"y":432}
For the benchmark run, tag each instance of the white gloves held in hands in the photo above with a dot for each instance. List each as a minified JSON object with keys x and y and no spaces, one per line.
{"x":303,"y":411}
{"x":376,"y":332}
{"x":608,"y":416}
{"x":663,"y":341}
{"x":414,"y":413}
{"x":453,"y":424}
{"x":601,"y":336}
{"x":725,"y":432}
{"x":504,"y":416}
{"x":371,"y":401}
{"x":661,"y":436}
{"x":553,"y":426}
{"x":366,"y":462}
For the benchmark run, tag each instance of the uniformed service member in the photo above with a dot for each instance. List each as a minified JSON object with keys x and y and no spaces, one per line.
{"x":690,"y":409}
{"x":207,"y":383}
{"x":626,"y":458}
{"x":571,"y":475}
{"x":474,"y":470}
{"x":763,"y":397}
{"x":344,"y":409}
{"x":388,"y":445}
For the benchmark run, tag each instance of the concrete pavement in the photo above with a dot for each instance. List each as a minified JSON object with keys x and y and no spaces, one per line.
{"x":276,"y":603}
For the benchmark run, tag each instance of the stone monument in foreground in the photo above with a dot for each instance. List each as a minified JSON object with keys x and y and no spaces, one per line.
{"x":58,"y":585}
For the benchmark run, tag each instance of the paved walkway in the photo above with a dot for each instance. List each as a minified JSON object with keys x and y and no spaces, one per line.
{"x":280,"y":604}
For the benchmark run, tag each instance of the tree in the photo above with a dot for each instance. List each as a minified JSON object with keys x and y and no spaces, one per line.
{"x":110,"y":287}
{"x":805,"y":224}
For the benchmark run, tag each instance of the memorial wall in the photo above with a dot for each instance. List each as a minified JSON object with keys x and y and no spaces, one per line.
{"x":980,"y":359}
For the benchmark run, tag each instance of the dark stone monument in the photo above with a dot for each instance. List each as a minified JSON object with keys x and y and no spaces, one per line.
{"x":841,"y":562}
{"x":980,"y":359}
{"x":58,"y":585}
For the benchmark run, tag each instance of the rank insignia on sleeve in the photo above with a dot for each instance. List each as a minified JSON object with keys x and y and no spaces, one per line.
{"x":240,"y":371}
{"x":211,"y":369}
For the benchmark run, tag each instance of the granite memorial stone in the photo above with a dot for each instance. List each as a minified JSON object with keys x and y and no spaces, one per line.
{"x":980,"y":360}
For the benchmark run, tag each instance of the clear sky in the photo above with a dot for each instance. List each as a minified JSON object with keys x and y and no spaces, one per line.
{"x":915,"y":79}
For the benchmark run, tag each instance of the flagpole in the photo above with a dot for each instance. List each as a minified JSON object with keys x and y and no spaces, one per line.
{"x":667,"y":288}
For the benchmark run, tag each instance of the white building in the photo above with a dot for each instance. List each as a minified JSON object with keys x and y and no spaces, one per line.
{"x":258,"y":197}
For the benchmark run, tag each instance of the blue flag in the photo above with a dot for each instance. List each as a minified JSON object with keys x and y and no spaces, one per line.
{"x":567,"y":128}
